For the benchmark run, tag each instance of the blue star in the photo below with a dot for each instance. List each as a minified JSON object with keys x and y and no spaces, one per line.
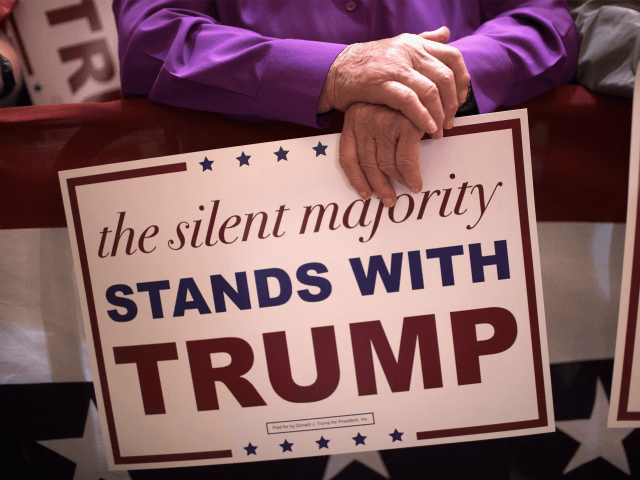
{"x":359,"y":439}
{"x":396,"y":435}
{"x":286,"y":446}
{"x":320,"y":149}
{"x":251,"y":450}
{"x":206,"y":164}
{"x":282,"y":154}
{"x":244,"y":159}
{"x":323,"y":443}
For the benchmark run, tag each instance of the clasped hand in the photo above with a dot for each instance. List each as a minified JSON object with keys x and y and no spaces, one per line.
{"x":392,"y":91}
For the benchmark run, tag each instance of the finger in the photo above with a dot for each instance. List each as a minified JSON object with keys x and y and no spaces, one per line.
{"x":452,"y":58}
{"x":386,"y":157}
{"x":408,"y":159}
{"x":379,"y":182}
{"x":444,"y":79}
{"x":430,"y":95}
{"x":440,"y":35}
{"x":404,"y":99}
{"x":442,"y":76}
{"x":348,"y":160}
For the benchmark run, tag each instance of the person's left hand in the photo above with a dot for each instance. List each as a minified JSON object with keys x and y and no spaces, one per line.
{"x":379,"y":143}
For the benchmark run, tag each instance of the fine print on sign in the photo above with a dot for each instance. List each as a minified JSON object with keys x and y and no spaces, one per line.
{"x":624,"y":408}
{"x":243,"y":304}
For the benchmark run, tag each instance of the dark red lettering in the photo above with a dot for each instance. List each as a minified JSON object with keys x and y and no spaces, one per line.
{"x":146,"y":358}
{"x":468,"y":349}
{"x":279,"y":366}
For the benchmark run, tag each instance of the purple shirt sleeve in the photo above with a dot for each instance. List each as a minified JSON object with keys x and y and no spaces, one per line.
{"x":525,"y":49}
{"x":177,"y":54}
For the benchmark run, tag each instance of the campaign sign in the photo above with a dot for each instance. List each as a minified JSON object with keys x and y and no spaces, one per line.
{"x":244,"y":304}
{"x":624,"y":408}
{"x":69,"y":50}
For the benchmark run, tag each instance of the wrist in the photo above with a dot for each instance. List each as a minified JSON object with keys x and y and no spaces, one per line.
{"x":328,"y":95}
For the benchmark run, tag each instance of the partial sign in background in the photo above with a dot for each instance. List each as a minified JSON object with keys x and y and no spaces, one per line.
{"x":624,"y":408}
{"x":69,"y":50}
{"x":243,"y":304}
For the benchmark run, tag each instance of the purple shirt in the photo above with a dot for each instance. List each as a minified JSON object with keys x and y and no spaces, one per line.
{"x":269,"y":58}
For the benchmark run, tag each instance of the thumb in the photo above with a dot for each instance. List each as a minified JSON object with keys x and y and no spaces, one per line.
{"x":440,"y":35}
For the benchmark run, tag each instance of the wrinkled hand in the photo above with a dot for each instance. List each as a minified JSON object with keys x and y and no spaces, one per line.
{"x":415,"y":74}
{"x":379,"y":143}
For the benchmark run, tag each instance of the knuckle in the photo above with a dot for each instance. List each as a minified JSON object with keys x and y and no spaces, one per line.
{"x":446,"y":75}
{"x":408,"y":168}
{"x":355,"y":181}
{"x":344,"y":163}
{"x":430,"y":90}
{"x":457,"y":54}
{"x":389,"y":169}
{"x":405,"y":96}
{"x":370,"y":169}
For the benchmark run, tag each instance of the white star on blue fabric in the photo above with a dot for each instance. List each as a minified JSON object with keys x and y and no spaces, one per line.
{"x":372,"y":460}
{"x":86,"y":452}
{"x":596,"y":440}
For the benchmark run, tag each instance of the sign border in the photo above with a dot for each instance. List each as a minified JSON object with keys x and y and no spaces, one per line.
{"x":624,"y":414}
{"x":514,"y":125}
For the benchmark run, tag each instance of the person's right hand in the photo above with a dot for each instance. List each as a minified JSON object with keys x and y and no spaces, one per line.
{"x":418,"y":75}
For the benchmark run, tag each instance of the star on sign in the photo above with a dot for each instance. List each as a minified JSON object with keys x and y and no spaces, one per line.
{"x":251,"y":450}
{"x":86,"y":452}
{"x":281,"y":154}
{"x":322,"y":443}
{"x":359,"y":439}
{"x":596,"y":440}
{"x":206,"y":164}
{"x":320,"y":149}
{"x":396,"y":435}
{"x":371,"y":460}
{"x":286,"y":446}
{"x":244,"y":159}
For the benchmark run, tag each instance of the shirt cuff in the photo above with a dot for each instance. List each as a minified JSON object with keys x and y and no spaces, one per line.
{"x":490,"y":69}
{"x":292,"y":82}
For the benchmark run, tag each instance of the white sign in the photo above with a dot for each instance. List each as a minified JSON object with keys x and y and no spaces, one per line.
{"x":624,"y":409}
{"x":243,"y":304}
{"x":69,"y":50}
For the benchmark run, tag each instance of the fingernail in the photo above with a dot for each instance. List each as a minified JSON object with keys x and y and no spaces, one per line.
{"x":415,"y":190}
{"x":388,"y":202}
{"x":449,"y":124}
{"x":432,"y":126}
{"x":364,"y":195}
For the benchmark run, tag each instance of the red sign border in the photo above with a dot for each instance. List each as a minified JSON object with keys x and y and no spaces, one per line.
{"x":513,"y":125}
{"x":624,"y":414}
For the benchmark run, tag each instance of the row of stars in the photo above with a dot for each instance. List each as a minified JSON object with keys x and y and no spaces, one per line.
{"x":281,"y":154}
{"x":324,"y":443}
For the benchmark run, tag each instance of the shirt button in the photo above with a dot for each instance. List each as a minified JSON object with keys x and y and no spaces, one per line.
{"x":351,"y":6}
